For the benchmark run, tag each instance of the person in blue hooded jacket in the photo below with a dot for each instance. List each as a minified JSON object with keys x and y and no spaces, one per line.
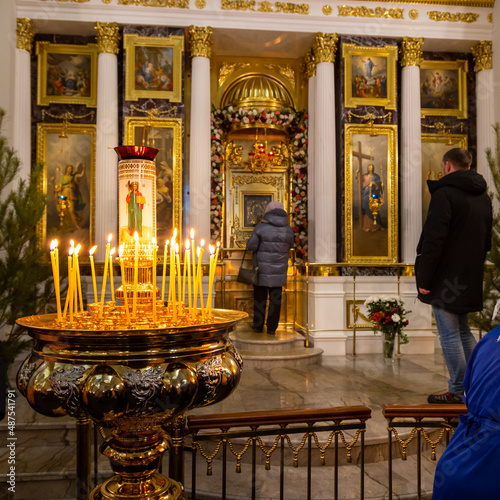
{"x":270,"y":242}
{"x":468,"y":469}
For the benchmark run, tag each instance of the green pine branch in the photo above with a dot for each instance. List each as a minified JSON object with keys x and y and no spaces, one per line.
{"x":26,"y":286}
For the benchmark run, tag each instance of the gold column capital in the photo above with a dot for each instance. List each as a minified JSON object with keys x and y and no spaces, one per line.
{"x":310,"y":64}
{"x":108,"y":37}
{"x":482,"y":52}
{"x":200,"y":39}
{"x":411,"y":51}
{"x":325,"y":47}
{"x":25,"y":33}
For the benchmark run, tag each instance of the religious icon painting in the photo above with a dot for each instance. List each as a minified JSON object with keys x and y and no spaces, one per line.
{"x":153,"y":67}
{"x":68,"y":154}
{"x":371,"y":194}
{"x":67,"y":74}
{"x":443,"y":88}
{"x":370,"y":75}
{"x":164,"y":134}
{"x":434,"y":146}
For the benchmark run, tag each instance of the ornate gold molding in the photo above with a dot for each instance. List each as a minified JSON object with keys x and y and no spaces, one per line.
{"x":413,"y":14}
{"x":226,"y":69}
{"x":108,"y":37}
{"x":411,"y":51}
{"x":482,"y":52}
{"x":325,"y":47}
{"x":265,"y":6}
{"x":200,"y":4}
{"x":76,"y":1}
{"x":490,"y":17}
{"x":394,"y":13}
{"x":200,"y":39}
{"x":310,"y":63}
{"x":466,"y":17}
{"x":285,"y":71}
{"x":25,"y":33}
{"x":327,"y":10}
{"x":179,"y":4}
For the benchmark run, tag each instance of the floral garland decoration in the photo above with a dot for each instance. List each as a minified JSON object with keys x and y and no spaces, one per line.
{"x":295,"y":123}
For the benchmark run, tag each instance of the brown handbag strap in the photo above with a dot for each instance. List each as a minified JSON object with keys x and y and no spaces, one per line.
{"x":243,"y":259}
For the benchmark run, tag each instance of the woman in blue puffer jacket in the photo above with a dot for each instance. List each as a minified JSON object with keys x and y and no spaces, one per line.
{"x":270,"y":242}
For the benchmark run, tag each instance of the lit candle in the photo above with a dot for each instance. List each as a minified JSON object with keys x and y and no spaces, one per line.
{"x":184,"y":271}
{"x":111,"y":280}
{"x":69,"y":296}
{"x":78,"y":280}
{"x":193,"y":260}
{"x":164,"y":271}
{"x":94,"y":285}
{"x":198,"y":274}
{"x":179,"y":275}
{"x":188,"y":265}
{"x":136,"y":274}
{"x":55,"y":272}
{"x":124,"y":284}
{"x":105,"y":276}
{"x":211,"y":273}
{"x":155,"y":248}
{"x":171,"y":280}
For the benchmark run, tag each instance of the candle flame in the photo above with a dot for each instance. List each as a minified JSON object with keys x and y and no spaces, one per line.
{"x":202,"y":242}
{"x":77,"y":249}
{"x":172,"y":242}
{"x":110,"y":237}
{"x":187,"y":244}
{"x":218,"y":244}
{"x":136,"y":237}
{"x":71,"y":249}
{"x":56,"y":244}
{"x":175,"y":233}
{"x":212,"y":249}
{"x":153,"y":240}
{"x":92,"y":250}
{"x":53,"y":245}
{"x":71,"y":243}
{"x":177,"y":248}
{"x":192,"y":233}
{"x":112,"y":251}
{"x":120,"y":251}
{"x":166,"y":243}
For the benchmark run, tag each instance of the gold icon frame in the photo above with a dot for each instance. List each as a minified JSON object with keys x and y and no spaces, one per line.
{"x":456,"y":70}
{"x":387,"y":55}
{"x":147,"y":132}
{"x":43,"y":51}
{"x":78,"y":144}
{"x":366,"y":134}
{"x":134,"y":43}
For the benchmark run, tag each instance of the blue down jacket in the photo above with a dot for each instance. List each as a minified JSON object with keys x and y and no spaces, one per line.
{"x":270,"y":241}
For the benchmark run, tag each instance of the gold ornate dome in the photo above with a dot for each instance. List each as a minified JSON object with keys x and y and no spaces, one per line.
{"x":257,"y":91}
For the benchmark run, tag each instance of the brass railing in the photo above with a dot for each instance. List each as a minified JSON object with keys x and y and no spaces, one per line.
{"x":421,"y":419}
{"x":241,"y":433}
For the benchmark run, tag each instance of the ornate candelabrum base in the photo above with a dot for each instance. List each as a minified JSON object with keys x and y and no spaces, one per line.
{"x":133,"y":382}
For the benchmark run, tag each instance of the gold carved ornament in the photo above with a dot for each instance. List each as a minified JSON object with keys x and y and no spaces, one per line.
{"x":201,"y":41}
{"x":108,"y":37}
{"x":284,"y":70}
{"x":327,"y":10}
{"x":466,"y":17}
{"x":394,"y":13}
{"x":411,"y":51}
{"x":153,"y":112}
{"x":75,"y":1}
{"x":325,"y":47}
{"x":200,"y":4}
{"x":310,"y":63}
{"x":265,"y":6}
{"x":490,"y":17}
{"x":179,"y":4}
{"x":444,"y":129}
{"x":227,"y":69}
{"x":482,"y":52}
{"x":25,"y":34}
{"x":370,"y":117}
{"x":413,"y":14}
{"x":66,"y":118}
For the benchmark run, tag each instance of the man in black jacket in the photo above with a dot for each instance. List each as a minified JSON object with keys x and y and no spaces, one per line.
{"x":450,"y":261}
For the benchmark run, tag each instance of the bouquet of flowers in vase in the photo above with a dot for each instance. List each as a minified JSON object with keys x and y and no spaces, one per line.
{"x":388,"y":316}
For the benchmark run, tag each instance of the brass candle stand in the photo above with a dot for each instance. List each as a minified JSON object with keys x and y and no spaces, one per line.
{"x":132,"y":381}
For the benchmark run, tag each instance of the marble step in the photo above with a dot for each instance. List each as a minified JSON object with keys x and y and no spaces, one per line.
{"x":246,"y":340}
{"x":290,"y":358}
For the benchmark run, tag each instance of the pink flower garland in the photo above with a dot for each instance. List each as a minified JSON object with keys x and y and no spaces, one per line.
{"x":295,"y":123}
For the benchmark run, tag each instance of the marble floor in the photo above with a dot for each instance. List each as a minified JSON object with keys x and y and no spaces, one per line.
{"x":366,"y":379}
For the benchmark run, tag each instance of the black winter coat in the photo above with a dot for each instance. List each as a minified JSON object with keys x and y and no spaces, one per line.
{"x":454,"y":242}
{"x":270,"y":241}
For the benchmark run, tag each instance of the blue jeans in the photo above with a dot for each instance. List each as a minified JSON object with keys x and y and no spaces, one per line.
{"x":457,"y":343}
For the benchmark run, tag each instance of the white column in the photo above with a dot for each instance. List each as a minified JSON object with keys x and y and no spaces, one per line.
{"x":7,"y":63}
{"x":106,"y":174}
{"x":323,"y":193}
{"x":22,"y":97}
{"x":311,"y":140}
{"x":485,"y":109}
{"x":411,"y":149}
{"x":199,"y":144}
{"x":496,"y":58}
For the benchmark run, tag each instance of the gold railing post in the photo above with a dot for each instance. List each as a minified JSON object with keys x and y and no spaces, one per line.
{"x":176,"y":455}
{"x":355,"y":316}
{"x":399,"y":291}
{"x":83,"y":457}
{"x":307,"y":304}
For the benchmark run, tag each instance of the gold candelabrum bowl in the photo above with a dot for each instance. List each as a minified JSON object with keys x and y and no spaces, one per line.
{"x":374,"y":204}
{"x":134,"y":381}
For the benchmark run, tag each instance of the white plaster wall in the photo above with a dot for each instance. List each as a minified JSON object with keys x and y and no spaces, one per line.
{"x":8,"y":37}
